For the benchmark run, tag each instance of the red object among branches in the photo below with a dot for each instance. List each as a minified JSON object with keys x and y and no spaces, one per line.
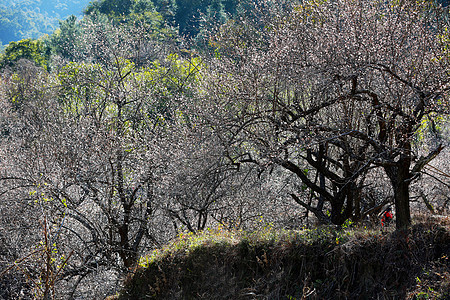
{"x":387,"y":218}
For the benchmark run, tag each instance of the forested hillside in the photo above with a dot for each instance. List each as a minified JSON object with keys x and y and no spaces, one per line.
{"x":34,"y":18}
{"x":141,"y":122}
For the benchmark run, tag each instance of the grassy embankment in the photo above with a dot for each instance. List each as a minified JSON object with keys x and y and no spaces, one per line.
{"x":320,"y":263}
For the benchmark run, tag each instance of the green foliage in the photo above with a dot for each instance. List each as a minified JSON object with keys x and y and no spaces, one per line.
{"x":79,"y":88}
{"x":433,"y":125}
{"x":33,"y":50}
{"x":169,"y":79}
{"x":87,"y":91}
{"x":188,"y":242}
{"x":216,"y":11}
{"x":187,"y":15}
{"x":167,"y":9}
{"x":33,"y":19}
{"x":120,"y":11}
{"x":267,"y":235}
{"x":63,"y":40}
{"x":130,"y":13}
{"x":112,"y":8}
{"x":191,"y":16}
{"x":85,"y":86}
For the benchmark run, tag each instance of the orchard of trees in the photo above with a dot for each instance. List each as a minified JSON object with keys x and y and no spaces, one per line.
{"x":145,"y":119}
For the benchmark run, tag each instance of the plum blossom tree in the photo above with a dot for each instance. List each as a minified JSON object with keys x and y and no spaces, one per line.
{"x":90,"y":143}
{"x":329,"y":90}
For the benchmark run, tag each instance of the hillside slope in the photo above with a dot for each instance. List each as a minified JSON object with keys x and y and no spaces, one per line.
{"x":315,"y":264}
{"x":34,"y":18}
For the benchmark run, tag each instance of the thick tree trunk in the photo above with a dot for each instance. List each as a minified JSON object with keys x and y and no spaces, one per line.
{"x":400,"y":178}
{"x":401,"y":198}
{"x":337,"y":217}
